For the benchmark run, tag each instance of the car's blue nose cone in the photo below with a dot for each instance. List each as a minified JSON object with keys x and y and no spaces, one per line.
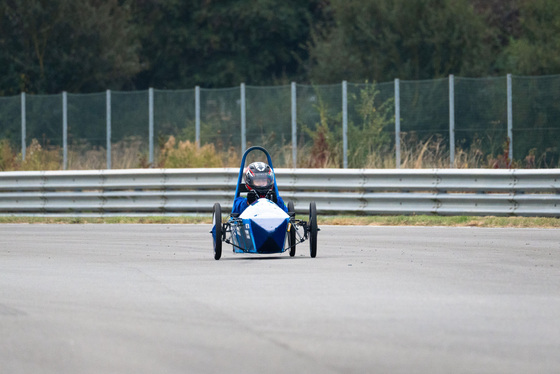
{"x":269,"y":234}
{"x":267,"y":224}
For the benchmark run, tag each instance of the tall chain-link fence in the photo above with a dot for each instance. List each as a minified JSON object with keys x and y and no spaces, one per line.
{"x":456,"y":122}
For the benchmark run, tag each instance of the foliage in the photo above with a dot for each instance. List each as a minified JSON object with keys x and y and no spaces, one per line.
{"x":72,"y":45}
{"x":38,"y":157}
{"x":501,"y":18}
{"x":186,"y":154}
{"x":7,"y":156}
{"x":368,"y":139}
{"x":371,"y":138}
{"x":324,"y":143}
{"x":385,"y":39}
{"x":324,"y":152}
{"x":217,"y":44}
{"x":531,"y":53}
{"x":84,"y":156}
{"x":92,"y":45}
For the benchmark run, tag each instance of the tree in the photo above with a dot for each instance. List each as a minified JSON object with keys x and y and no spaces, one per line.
{"x":535,"y":50}
{"x":223,"y":43}
{"x":386,"y":39}
{"x":73,"y":45}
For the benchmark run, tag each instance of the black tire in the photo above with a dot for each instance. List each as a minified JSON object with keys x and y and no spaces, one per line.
{"x":217,"y":224}
{"x":312,"y":229}
{"x":292,"y":233}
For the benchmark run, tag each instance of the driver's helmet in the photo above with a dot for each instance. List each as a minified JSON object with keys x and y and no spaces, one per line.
{"x":259,"y":177}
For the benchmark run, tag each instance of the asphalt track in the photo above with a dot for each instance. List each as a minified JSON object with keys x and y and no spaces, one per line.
{"x":151,"y":299}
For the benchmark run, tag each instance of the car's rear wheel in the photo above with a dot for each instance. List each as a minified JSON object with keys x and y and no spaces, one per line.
{"x":292,"y":232}
{"x":313,"y":229}
{"x":217,"y":230}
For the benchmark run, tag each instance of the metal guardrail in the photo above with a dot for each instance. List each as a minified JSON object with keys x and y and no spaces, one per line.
{"x":355,"y":191}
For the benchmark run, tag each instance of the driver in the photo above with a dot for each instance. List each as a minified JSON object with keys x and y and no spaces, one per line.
{"x":259,"y":179}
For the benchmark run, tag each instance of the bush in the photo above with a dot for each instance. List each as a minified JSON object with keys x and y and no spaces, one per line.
{"x":40,"y":158}
{"x":7,"y":156}
{"x":370,"y":142}
{"x":187,"y":154}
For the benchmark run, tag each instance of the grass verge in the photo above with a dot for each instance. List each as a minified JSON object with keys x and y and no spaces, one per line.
{"x":455,"y":221}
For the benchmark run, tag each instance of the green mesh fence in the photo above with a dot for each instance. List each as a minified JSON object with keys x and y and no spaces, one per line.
{"x":480,"y":119}
{"x":319,"y":125}
{"x":371,"y":125}
{"x":44,"y":120}
{"x":268,"y":121}
{"x":87,"y":124}
{"x":10,"y":121}
{"x":536,"y":121}
{"x":221,"y":118}
{"x":424,"y":123}
{"x":174,"y":116}
{"x":425,"y":108}
{"x":480,"y":124}
{"x":129,"y":129}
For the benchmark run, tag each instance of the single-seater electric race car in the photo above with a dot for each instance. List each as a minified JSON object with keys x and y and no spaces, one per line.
{"x":263,"y":227}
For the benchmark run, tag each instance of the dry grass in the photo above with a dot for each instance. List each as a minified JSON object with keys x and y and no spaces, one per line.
{"x":125,"y":154}
{"x":38,"y":158}
{"x":427,"y":154}
{"x":187,"y":154}
{"x":455,"y":221}
{"x":130,"y":153}
{"x":87,"y":159}
{"x":433,"y":153}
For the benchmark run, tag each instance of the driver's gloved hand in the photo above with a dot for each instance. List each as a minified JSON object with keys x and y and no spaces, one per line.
{"x":252,"y":197}
{"x":270,"y":195}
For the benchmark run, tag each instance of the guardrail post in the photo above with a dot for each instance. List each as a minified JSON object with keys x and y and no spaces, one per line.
{"x":510,"y":116}
{"x":397,"y":124}
{"x":243,"y":119}
{"x":23,"y":127}
{"x":64,"y":130}
{"x":197,"y":115}
{"x":344,"y":124}
{"x":451,"y":121}
{"x":108,"y":114}
{"x":151,"y":125}
{"x":294,"y":125}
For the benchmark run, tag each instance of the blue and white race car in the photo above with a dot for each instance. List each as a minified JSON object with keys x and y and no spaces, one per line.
{"x":263,"y":227}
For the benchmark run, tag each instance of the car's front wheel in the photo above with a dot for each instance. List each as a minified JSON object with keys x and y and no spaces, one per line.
{"x":217,"y":230}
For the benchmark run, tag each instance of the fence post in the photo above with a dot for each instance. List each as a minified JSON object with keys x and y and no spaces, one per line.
{"x":23,"y":127}
{"x":294,"y":125}
{"x":197,"y":115}
{"x":243,"y":118}
{"x":510,"y":116}
{"x":344,"y":124}
{"x":397,"y":124}
{"x":151,"y":125}
{"x":108,"y":108}
{"x":64,"y":130}
{"x":451,"y":121}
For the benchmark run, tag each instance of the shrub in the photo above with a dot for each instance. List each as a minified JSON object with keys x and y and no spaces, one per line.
{"x":370,"y":142}
{"x":7,"y":156}
{"x":186,"y":154}
{"x":40,"y":158}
